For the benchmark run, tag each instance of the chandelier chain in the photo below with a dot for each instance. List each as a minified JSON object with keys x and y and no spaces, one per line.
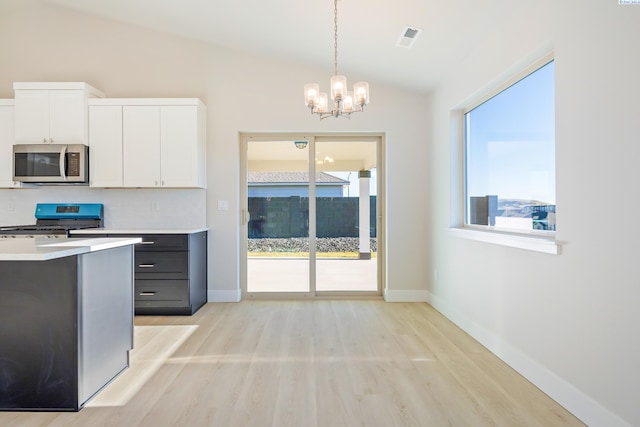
{"x":335,"y":37}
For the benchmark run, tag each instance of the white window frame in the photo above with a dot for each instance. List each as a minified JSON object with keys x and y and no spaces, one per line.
{"x":534,"y":240}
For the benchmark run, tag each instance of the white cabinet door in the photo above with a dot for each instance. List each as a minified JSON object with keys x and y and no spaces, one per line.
{"x":51,"y":116}
{"x":7,"y":140}
{"x":162,"y":143}
{"x":67,"y":117}
{"x":141,"y":146}
{"x":105,"y":151}
{"x":179,"y":146}
{"x":32,"y":116}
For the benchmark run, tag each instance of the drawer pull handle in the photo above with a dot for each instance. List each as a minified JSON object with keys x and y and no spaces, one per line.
{"x":148,"y":242}
{"x":147,"y":293}
{"x":146,"y":265}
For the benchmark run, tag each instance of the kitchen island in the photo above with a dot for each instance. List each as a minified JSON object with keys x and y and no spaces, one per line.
{"x":170,"y":270}
{"x":66,"y":319}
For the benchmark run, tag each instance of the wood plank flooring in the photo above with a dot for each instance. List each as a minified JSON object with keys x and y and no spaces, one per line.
{"x":310,"y":363}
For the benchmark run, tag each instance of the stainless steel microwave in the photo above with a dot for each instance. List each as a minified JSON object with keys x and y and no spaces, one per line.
{"x":51,"y":163}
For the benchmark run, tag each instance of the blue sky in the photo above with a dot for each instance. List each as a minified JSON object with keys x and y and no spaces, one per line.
{"x":512,"y":141}
{"x":354,"y":187}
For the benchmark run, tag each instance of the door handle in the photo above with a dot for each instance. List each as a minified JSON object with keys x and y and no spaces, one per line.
{"x":62,"y":162}
{"x":146,"y":265}
{"x":246,"y":217}
{"x":147,"y":293}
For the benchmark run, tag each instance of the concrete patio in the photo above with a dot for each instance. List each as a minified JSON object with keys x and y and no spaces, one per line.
{"x":292,"y":274}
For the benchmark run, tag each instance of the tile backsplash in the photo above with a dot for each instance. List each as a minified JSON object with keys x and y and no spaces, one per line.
{"x":123,"y":208}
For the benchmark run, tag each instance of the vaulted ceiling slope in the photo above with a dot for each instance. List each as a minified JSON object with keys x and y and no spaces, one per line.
{"x":302,"y":30}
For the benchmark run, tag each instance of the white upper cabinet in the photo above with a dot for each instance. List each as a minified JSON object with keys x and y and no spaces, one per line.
{"x":141,"y":146}
{"x":32,"y":125}
{"x":105,"y":154}
{"x":152,"y":143}
{"x":6,"y":144}
{"x":182,"y":146}
{"x":52,"y":113}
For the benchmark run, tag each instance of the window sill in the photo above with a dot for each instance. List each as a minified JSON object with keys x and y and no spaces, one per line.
{"x":537,"y":243}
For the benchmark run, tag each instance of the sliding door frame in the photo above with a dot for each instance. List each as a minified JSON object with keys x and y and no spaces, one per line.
{"x":313,"y":138}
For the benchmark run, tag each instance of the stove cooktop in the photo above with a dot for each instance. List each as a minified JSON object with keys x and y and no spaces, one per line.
{"x":58,"y":219}
{"x":31,"y":235}
{"x":42,"y":229}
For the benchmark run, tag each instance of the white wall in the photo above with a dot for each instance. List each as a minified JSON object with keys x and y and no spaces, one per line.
{"x":568,"y":322}
{"x":242,"y":93}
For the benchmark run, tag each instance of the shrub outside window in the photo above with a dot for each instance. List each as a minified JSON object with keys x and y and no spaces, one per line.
{"x":510,"y":156}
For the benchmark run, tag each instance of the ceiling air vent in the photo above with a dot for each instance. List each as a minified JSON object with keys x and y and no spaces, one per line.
{"x":408,"y":37}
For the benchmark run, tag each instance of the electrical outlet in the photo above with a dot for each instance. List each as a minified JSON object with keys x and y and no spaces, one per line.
{"x":155,"y":205}
{"x":11,"y":206}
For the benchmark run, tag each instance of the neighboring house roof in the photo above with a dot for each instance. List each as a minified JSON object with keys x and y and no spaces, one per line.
{"x":292,"y":178}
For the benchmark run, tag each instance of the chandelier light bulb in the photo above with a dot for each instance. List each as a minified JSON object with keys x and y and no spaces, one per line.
{"x":347,"y":103}
{"x":311,"y":93}
{"x":361,"y":91}
{"x":338,"y":87}
{"x":323,"y":102}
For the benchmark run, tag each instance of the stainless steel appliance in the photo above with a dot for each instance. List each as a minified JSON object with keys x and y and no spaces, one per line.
{"x":51,"y":163}
{"x":57,"y":219}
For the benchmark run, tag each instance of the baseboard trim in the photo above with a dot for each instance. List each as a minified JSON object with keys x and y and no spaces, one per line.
{"x":405,"y":296}
{"x":224,"y":296}
{"x":574,"y":400}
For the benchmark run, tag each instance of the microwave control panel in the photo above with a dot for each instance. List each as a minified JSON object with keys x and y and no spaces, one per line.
{"x":73,"y":164}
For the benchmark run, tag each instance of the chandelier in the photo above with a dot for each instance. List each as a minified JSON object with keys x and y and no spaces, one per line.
{"x":345,"y":102}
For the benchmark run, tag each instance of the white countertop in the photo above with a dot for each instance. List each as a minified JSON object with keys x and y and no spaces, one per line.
{"x":42,"y":248}
{"x":138,"y":231}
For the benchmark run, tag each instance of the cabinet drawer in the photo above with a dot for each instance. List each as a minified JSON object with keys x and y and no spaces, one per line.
{"x":163,"y":242}
{"x":162,"y":265}
{"x":162,"y":290}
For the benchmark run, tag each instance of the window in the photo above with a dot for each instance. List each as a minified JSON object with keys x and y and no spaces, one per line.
{"x":509,"y":142}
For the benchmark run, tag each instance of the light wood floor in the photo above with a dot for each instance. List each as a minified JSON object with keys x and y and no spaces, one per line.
{"x":313,"y":363}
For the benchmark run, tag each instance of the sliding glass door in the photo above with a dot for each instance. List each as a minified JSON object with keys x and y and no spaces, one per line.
{"x":345,"y":184}
{"x":311,"y":237}
{"x":278,"y":220}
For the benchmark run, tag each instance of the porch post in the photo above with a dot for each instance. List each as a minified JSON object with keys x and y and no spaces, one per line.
{"x":364,"y":221}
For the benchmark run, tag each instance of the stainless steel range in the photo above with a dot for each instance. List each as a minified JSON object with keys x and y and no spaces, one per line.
{"x":57,"y":219}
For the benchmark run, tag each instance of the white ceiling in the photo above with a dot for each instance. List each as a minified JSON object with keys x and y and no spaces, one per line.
{"x":302,"y":30}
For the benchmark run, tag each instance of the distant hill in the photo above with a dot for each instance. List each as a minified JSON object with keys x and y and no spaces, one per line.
{"x":517,"y":208}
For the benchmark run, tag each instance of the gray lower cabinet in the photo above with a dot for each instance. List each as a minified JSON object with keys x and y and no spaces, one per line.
{"x":170,"y":273}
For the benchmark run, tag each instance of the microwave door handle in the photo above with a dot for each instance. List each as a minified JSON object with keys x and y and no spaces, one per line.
{"x":63,"y":161}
